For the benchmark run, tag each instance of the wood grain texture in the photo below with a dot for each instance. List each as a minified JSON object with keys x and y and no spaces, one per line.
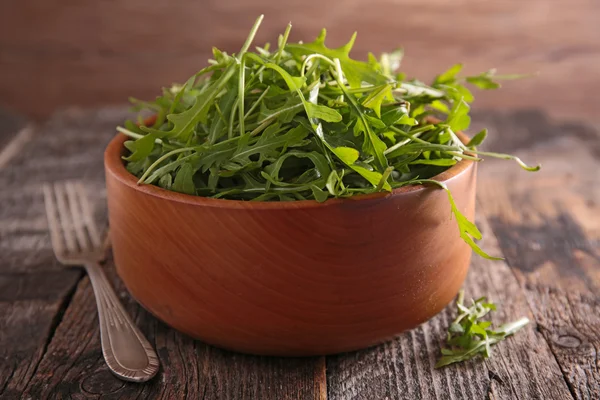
{"x":522,"y":367}
{"x":73,"y":366}
{"x":59,"y":150}
{"x":548,"y":228}
{"x":97,"y":52}
{"x":31,"y":306}
{"x":10,"y":125}
{"x":34,"y":289}
{"x":289,"y":278}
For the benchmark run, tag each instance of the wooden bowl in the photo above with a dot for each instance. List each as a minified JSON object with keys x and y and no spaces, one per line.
{"x":289,"y":278}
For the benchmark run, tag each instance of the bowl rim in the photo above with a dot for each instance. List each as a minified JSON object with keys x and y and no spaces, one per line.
{"x":114,"y":165}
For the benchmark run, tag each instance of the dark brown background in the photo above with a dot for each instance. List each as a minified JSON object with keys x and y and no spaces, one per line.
{"x":55,"y":53}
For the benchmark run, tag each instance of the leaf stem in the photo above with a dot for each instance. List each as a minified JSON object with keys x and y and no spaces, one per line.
{"x":508,"y":157}
{"x":250,"y":37}
{"x":134,"y":135}
{"x":257,"y":102}
{"x":241,"y":91}
{"x":161,"y":159}
{"x":283,"y":42}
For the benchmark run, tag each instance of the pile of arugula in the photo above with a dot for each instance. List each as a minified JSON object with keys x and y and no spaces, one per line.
{"x":469,"y":335}
{"x":304,"y":121}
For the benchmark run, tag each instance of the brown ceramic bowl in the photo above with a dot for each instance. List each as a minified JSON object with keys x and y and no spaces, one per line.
{"x":289,"y":278}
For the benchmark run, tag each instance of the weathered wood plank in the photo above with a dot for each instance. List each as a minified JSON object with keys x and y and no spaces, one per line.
{"x":34,"y":288}
{"x":10,"y":124}
{"x":522,"y":367}
{"x":548,"y":227}
{"x":31,"y":306}
{"x":73,"y":366}
{"x":64,"y":148}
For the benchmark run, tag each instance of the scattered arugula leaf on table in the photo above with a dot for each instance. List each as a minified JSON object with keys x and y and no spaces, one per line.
{"x":303,"y":121}
{"x":469,"y":335}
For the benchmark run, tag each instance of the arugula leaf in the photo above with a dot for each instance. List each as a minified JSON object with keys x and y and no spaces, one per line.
{"x":183,"y":180}
{"x":141,"y":148}
{"x":483,"y":82}
{"x":322,"y":112}
{"x":468,"y":230}
{"x":449,"y":76}
{"x":459,"y":118}
{"x":356,"y":71}
{"x":376,"y":97}
{"x":269,"y":142}
{"x":477,"y":139}
{"x":469,"y":336}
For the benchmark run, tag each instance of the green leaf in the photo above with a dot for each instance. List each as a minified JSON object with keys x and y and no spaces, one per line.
{"x":322,"y":112}
{"x":220,"y":57}
{"x":166,"y":181}
{"x":375,"y":122}
{"x":483,"y":82}
{"x":393,"y":116}
{"x":347,"y":154}
{"x":406,"y":120}
{"x":464,"y":93}
{"x":374,"y":178}
{"x":376,"y":97}
{"x":317,"y":159}
{"x":440,"y":106}
{"x":467,"y":229}
{"x":140,"y":148}
{"x":183,"y":180}
{"x":356,"y":72}
{"x":459,"y":119}
{"x":478,"y":139}
{"x":269,"y":143}
{"x":320,"y":194}
{"x":294,"y":83}
{"x":133,"y":127}
{"x":335,"y":184}
{"x":449,"y":76}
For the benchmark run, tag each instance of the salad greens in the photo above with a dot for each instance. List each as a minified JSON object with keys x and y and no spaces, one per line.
{"x":469,"y":335}
{"x":303,"y":121}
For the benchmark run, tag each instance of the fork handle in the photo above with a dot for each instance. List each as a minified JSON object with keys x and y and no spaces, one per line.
{"x":126,"y":351}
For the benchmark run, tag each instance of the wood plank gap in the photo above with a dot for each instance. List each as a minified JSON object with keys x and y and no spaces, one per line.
{"x":56,"y":320}
{"x":539,"y":326}
{"x":321,"y":378}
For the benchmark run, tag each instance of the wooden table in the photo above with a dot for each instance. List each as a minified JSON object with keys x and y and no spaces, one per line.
{"x":547,"y":225}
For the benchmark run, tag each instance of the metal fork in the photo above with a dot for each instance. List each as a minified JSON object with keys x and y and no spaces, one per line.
{"x":76,"y":241}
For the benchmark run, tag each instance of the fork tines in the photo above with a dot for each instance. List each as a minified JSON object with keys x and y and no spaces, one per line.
{"x":73,"y":230}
